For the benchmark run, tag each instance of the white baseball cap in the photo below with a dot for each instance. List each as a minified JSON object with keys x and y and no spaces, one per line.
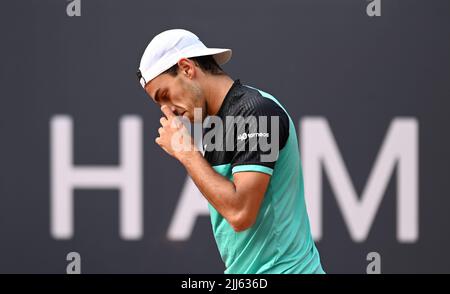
{"x":168,"y":47}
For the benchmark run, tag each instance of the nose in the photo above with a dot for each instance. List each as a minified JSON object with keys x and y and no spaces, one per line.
{"x":170,"y":105}
{"x":165,"y":103}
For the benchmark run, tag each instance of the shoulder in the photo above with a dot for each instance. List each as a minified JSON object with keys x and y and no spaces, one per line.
{"x":260,"y":108}
{"x":250,"y":101}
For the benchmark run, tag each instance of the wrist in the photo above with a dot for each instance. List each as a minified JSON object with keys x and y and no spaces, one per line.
{"x":188,"y":155}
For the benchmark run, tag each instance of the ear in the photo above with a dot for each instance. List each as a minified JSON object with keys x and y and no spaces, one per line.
{"x":187,"y":68}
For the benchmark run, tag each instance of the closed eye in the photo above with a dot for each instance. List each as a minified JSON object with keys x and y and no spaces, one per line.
{"x":160,"y":95}
{"x":165,"y":95}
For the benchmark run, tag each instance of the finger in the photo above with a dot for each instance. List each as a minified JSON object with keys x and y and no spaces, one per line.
{"x":167,"y":112}
{"x":163,"y":121}
{"x":158,"y":141}
{"x":160,"y":131}
{"x":175,"y":123}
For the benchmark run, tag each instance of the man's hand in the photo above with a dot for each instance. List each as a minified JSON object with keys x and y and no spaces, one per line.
{"x":174,"y":138}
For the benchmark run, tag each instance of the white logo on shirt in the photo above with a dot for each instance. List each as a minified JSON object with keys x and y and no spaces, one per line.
{"x":244,"y":136}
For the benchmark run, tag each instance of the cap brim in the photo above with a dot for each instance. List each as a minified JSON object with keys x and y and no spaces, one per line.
{"x":221,"y":56}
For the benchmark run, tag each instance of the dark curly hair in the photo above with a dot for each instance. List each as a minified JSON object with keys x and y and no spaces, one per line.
{"x":206,"y":63}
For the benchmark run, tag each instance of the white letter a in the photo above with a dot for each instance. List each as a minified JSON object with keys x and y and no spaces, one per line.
{"x":74,"y":8}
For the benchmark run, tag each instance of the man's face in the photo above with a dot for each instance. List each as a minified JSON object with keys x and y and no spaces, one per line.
{"x":178,"y":92}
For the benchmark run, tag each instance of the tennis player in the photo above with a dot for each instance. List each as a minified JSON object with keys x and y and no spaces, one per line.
{"x":255,"y":193}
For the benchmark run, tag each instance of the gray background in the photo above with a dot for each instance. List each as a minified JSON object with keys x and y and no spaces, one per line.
{"x":318,"y":57}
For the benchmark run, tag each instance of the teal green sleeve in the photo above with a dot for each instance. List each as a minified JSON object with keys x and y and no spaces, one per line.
{"x":253,"y":168}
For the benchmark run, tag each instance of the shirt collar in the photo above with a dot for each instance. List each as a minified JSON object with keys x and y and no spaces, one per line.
{"x":228,"y":100}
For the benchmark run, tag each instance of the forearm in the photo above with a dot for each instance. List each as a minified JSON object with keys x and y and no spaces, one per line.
{"x":220,"y":192}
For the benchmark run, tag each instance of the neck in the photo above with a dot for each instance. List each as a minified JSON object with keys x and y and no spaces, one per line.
{"x":216,"y":88}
